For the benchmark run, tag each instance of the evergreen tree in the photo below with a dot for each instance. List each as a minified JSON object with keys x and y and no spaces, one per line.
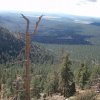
{"x":36,"y":86}
{"x":95,"y":72}
{"x":52,"y":83}
{"x":83,"y":75}
{"x":67,"y":79}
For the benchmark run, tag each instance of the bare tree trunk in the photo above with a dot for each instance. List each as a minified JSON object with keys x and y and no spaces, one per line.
{"x":27,"y":61}
{"x":27,"y":57}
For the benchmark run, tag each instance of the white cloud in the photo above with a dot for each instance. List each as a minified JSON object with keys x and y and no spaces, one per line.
{"x":92,"y":0}
{"x":77,"y":7}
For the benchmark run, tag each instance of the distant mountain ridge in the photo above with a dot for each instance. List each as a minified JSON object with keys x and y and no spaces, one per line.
{"x":54,"y":29}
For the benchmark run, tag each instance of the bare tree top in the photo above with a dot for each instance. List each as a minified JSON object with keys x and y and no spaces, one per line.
{"x":27,"y":20}
{"x":37,"y":24}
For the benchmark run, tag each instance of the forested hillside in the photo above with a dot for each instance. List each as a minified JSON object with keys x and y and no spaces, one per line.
{"x":64,"y":60}
{"x":10,"y":46}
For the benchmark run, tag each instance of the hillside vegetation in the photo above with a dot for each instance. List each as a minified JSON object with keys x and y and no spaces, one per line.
{"x":12,"y":48}
{"x":64,"y":58}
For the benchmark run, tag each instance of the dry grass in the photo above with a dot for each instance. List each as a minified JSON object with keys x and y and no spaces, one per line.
{"x":88,"y":95}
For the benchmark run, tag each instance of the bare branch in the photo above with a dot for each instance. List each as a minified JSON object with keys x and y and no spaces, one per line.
{"x":37,"y":24}
{"x":27,"y":20}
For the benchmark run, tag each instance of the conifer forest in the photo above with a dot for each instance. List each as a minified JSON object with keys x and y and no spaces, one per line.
{"x":49,"y":57}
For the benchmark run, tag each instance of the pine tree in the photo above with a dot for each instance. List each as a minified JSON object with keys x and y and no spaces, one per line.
{"x":67,"y":79}
{"x":52,"y":83}
{"x":95,"y":72}
{"x":36,"y":86}
{"x":83,"y":76}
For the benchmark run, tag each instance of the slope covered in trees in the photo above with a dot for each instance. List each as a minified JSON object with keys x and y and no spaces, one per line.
{"x":47,"y":77}
{"x":12,"y":48}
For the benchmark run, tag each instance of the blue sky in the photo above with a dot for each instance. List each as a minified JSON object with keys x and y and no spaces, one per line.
{"x":75,"y":7}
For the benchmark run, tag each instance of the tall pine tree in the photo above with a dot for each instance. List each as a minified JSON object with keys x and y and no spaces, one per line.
{"x":67,"y":82}
{"x":83,"y":75}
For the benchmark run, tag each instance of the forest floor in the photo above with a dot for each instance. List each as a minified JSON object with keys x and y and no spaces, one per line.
{"x":55,"y":97}
{"x":59,"y":97}
{"x":98,"y":96}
